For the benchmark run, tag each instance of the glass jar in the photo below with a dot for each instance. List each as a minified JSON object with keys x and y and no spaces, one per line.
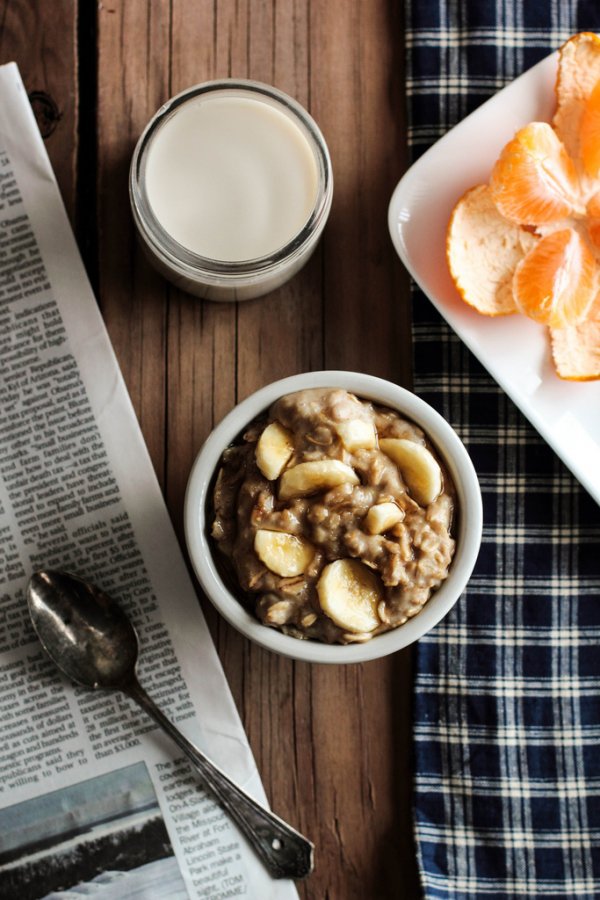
{"x":187,"y":266}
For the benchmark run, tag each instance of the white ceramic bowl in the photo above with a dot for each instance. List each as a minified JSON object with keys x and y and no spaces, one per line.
{"x":450,"y":449}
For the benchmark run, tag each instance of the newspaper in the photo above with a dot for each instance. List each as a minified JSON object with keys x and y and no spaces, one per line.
{"x":94,"y":800}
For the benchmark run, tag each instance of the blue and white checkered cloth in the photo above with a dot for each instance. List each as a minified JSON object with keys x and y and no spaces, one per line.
{"x":507,"y":687}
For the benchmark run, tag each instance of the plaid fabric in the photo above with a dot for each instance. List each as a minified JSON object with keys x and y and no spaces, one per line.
{"x":507,"y":687}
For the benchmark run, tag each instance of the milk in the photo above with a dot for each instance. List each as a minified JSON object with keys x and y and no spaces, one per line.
{"x":230,"y":177}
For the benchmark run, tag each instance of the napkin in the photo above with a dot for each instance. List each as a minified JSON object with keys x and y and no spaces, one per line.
{"x":507,"y":687}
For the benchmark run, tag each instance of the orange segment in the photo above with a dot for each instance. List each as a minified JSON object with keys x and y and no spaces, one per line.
{"x":589,"y":133}
{"x":555,"y":283}
{"x":593,"y":220}
{"x":593,"y":230}
{"x":576,"y":348}
{"x":482,"y":250}
{"x":578,"y":74}
{"x":534,"y":181}
{"x":593,"y":207}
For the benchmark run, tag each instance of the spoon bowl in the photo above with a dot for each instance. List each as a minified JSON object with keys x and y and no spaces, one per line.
{"x":92,"y":641}
{"x":83,"y":630}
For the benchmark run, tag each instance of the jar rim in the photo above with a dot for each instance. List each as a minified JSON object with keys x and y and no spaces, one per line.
{"x":192,"y":264}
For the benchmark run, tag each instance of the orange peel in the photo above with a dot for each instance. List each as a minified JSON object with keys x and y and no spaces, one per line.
{"x":578,"y":74}
{"x":482,"y":250}
{"x":576,"y":348}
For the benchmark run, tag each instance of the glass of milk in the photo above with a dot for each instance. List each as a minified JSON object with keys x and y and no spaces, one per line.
{"x":230,"y":187}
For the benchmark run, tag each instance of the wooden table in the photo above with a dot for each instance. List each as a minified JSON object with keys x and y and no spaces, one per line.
{"x":332,"y":743}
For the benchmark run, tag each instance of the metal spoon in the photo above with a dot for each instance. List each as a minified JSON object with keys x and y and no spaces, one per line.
{"x":92,"y":641}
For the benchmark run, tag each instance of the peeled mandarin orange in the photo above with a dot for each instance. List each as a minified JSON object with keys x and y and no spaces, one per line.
{"x":483,"y":249}
{"x":529,"y":241}
{"x":576,"y":348}
{"x":534,"y":180}
{"x":578,"y":74}
{"x":593,"y":220}
{"x":589,"y":134}
{"x":555,"y":283}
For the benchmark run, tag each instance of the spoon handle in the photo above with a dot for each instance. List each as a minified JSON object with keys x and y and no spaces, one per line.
{"x":283,"y":850}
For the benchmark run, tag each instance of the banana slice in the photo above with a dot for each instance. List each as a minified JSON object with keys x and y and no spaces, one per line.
{"x":273,"y":450}
{"x":357,"y":434}
{"x":349,"y":594}
{"x":419,"y":469}
{"x":282,"y":553}
{"x":382,"y":517}
{"x":316,"y":475}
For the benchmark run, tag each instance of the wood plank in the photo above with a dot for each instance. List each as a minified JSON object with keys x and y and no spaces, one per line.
{"x":42,"y":39}
{"x":352,"y":80}
{"x":332,"y":743}
{"x":133,"y":81}
{"x":356,"y":96}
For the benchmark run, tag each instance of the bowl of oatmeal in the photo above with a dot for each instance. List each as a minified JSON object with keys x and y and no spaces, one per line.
{"x":333,"y":517}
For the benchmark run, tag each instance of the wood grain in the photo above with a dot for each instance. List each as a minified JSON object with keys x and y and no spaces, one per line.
{"x":133,"y":81}
{"x":332,"y":743}
{"x":42,"y":39}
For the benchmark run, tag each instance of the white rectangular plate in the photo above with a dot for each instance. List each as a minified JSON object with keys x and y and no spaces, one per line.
{"x":514,"y":350}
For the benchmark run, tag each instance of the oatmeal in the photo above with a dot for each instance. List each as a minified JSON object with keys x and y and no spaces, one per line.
{"x":335,"y":516}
